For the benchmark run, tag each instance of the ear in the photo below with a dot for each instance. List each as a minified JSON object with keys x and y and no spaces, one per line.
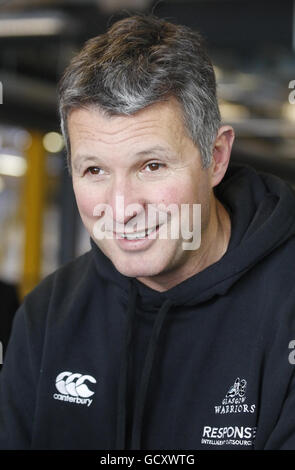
{"x":221,"y":153}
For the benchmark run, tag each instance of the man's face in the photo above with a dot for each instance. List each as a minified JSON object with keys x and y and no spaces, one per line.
{"x":146,"y":159}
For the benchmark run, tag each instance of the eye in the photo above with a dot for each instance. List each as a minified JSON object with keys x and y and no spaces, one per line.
{"x":154,"y":166}
{"x":94,"y":170}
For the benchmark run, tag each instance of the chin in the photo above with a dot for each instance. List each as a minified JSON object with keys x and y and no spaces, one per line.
{"x":137,"y":271}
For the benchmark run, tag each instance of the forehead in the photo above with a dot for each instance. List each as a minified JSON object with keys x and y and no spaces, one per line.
{"x":160,"y":121}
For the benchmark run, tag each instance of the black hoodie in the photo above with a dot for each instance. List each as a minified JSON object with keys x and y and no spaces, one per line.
{"x":98,"y":360}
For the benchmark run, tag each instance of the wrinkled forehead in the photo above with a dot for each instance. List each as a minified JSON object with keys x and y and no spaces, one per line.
{"x":159,"y":125}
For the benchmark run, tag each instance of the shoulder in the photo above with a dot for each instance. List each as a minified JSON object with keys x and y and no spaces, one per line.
{"x":66,"y":280}
{"x":281,"y":261}
{"x":54,"y":294}
{"x":50,"y":301}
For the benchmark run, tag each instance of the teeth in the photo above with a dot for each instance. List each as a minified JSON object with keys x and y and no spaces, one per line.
{"x":137,"y":235}
{"x":134,"y":236}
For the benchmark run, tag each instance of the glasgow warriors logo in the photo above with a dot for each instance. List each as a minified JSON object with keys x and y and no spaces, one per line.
{"x":238,"y":389}
{"x":235,"y":400}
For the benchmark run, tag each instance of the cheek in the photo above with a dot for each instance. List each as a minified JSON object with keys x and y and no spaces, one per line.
{"x":170,"y":194}
{"x":178,"y":194}
{"x":86,"y":199}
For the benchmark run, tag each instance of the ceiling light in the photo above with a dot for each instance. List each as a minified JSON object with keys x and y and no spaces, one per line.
{"x":34,"y":25}
{"x":12,"y":165}
{"x":53,"y":142}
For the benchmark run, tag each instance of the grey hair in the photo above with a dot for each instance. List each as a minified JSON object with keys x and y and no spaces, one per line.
{"x":139,"y":61}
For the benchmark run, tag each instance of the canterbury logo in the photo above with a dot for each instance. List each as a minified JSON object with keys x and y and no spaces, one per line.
{"x":72,"y":388}
{"x":73,"y":384}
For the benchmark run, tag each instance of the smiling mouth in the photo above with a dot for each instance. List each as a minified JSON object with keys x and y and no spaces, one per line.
{"x":137,"y":235}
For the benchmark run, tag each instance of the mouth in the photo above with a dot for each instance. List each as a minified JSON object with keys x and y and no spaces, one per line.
{"x":137,"y":235}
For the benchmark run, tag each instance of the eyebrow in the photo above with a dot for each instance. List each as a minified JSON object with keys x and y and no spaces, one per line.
{"x":157,"y":148}
{"x":143,"y":153}
{"x":84,"y":157}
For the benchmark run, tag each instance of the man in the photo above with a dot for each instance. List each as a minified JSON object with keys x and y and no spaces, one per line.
{"x":153,"y":340}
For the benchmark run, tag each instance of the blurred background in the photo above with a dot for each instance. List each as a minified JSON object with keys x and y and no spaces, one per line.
{"x":252,"y":45}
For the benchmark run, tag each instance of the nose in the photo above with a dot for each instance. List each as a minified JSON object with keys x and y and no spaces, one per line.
{"x":126,"y":199}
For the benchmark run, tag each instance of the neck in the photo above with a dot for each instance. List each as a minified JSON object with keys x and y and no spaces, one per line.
{"x":215,"y":240}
